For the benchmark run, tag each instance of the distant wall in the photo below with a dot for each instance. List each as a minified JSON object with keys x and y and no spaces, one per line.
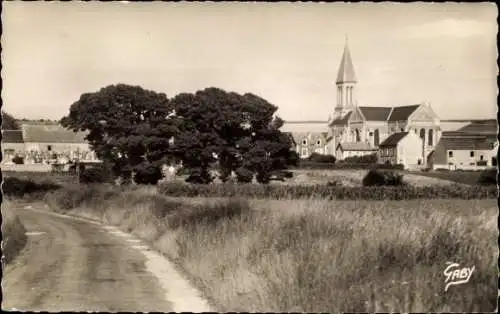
{"x":27,"y":167}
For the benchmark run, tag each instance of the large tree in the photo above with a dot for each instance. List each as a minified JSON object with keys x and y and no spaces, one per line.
{"x":237,"y":132}
{"x":129,"y":128}
{"x":9,"y":122}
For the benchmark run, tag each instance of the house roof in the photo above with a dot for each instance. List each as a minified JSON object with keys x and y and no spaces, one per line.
{"x":51,"y":133}
{"x":481,"y":127}
{"x":343,"y":120}
{"x":12,"y":136}
{"x":402,"y":113}
{"x":393,"y":139}
{"x":467,"y":142}
{"x":375,"y":113}
{"x":312,"y":137}
{"x":356,"y":146}
{"x":346,"y":69}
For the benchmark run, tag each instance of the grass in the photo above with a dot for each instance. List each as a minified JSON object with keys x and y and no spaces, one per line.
{"x":13,"y":233}
{"x":312,"y":255}
{"x":464,"y":177}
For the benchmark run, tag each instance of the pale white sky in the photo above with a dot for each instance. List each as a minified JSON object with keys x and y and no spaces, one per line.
{"x":288,"y":53}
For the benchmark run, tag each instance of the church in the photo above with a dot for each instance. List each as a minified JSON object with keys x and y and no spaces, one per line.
{"x":356,"y":130}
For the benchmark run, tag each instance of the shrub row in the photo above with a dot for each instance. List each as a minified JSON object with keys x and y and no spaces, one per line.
{"x":488,"y":177}
{"x":174,"y":213}
{"x":329,"y":192}
{"x":16,"y":187}
{"x":305,"y":164}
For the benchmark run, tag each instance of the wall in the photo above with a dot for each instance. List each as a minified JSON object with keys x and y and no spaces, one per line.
{"x":462,"y":159}
{"x":387,"y":155}
{"x":18,"y":150}
{"x":410,"y":151}
{"x":65,"y":151}
{"x":27,"y":168}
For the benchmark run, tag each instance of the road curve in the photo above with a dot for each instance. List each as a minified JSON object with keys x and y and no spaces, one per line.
{"x":72,"y":265}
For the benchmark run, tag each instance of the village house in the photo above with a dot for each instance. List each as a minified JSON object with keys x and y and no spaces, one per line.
{"x":12,"y":145}
{"x":345,"y":150}
{"x":466,"y":151}
{"x":46,"y":143}
{"x":403,"y":148}
{"x":308,"y":143}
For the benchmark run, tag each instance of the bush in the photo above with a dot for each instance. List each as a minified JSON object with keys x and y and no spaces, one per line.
{"x":16,"y":187}
{"x":306,"y":164}
{"x":199,"y":176}
{"x":377,"y":177}
{"x":315,"y":157}
{"x":488,"y":177}
{"x":18,"y":160}
{"x":96,"y":174}
{"x":148,"y":174}
{"x":244,"y":175}
{"x":367,"y":159}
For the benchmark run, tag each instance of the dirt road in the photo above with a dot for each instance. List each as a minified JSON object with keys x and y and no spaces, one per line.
{"x":73,"y":265}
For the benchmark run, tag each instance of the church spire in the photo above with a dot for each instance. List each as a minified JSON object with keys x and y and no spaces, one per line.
{"x":346,"y":69}
{"x":346,"y":83}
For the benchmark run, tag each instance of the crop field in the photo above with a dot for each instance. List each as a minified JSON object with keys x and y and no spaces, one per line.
{"x":464,"y":177}
{"x":312,"y":255}
{"x":354,"y":177}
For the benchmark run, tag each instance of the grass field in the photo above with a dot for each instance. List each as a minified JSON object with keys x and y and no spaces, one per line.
{"x":354,"y":177}
{"x":312,"y":255}
{"x":465,"y":177}
{"x":13,"y":233}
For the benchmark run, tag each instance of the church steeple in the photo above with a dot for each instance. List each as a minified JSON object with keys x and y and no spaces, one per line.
{"x":346,"y":81}
{"x":346,"y":69}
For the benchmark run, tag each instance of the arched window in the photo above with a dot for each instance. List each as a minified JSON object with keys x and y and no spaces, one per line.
{"x":422,"y":134}
{"x":431,"y":137}
{"x":358,"y":136}
{"x":376,"y":137}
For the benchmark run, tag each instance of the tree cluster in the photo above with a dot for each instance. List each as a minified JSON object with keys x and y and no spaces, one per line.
{"x":137,"y":131}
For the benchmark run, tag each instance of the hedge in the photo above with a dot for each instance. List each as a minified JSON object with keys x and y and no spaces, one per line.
{"x":16,"y":187}
{"x":305,"y":164}
{"x":329,"y":192}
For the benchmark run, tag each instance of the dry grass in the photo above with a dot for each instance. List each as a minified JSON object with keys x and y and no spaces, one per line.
{"x":13,"y":233}
{"x":318,"y":256}
{"x":354,"y":177}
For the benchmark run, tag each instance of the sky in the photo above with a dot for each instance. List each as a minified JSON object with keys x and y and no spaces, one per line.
{"x":287,"y":53}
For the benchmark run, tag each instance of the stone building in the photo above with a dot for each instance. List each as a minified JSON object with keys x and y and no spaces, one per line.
{"x":46,"y":143}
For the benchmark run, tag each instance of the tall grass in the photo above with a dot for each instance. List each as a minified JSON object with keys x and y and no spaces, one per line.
{"x":13,"y":233}
{"x":312,"y":255}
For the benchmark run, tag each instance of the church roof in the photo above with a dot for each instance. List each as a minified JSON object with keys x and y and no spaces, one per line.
{"x":51,"y":133}
{"x":402,"y":113}
{"x":393,"y":139}
{"x":343,"y":120}
{"x":375,"y":113}
{"x":12,"y":136}
{"x":346,"y":69}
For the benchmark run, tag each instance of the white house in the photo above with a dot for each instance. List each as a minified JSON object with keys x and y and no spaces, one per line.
{"x":459,"y":150}
{"x":405,"y":148}
{"x":345,"y":150}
